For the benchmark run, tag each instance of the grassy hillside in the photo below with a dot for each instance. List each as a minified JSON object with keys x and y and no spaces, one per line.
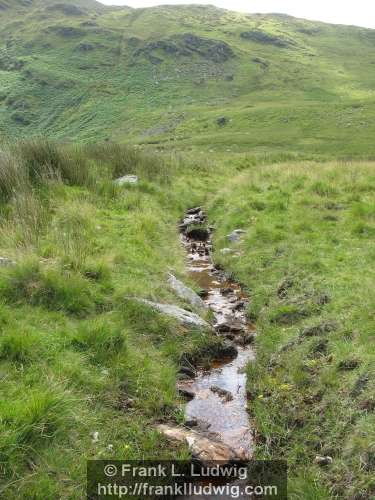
{"x":166,"y":75}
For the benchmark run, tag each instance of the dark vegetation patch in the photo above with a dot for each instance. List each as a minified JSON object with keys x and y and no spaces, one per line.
{"x":66,"y":31}
{"x":187,"y":45}
{"x":67,"y":9}
{"x":88,"y":46}
{"x":9,"y":63}
{"x":266,"y":38}
{"x":262,"y":62}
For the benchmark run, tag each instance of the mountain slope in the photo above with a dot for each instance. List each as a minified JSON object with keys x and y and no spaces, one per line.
{"x":168,"y":74}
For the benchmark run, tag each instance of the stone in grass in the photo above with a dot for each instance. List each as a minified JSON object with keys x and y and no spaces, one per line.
{"x":323,"y":461}
{"x":236,"y":235}
{"x":127,"y":179}
{"x":5,"y":262}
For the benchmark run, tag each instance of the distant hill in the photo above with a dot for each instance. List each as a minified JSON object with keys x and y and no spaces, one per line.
{"x":191,"y":76}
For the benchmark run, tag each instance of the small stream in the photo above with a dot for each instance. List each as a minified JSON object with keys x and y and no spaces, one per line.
{"x":218,"y":407}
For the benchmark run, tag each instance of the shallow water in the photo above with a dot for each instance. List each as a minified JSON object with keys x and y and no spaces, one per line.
{"x":227,"y":420}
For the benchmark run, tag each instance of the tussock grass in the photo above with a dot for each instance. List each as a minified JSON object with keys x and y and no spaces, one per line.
{"x":307,"y":259}
{"x":123,"y":160}
{"x":79,"y":358}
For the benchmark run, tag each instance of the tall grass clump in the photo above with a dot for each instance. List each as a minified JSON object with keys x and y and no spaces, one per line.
{"x":128,"y":160}
{"x":73,"y":233}
{"x":49,"y":288}
{"x":12,"y":176}
{"x":43,"y":159}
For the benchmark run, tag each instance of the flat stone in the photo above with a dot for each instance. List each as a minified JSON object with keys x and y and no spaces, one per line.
{"x":186,"y":318}
{"x":206,"y":450}
{"x":185,"y":292}
{"x":126,"y":179}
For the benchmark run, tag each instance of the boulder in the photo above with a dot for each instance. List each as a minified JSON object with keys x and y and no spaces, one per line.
{"x":186,"y":318}
{"x":127,"y":179}
{"x":204,"y":449}
{"x":185,"y":292}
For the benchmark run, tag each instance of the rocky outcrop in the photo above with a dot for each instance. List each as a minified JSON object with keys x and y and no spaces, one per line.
{"x":187,"y":45}
{"x":265,"y":38}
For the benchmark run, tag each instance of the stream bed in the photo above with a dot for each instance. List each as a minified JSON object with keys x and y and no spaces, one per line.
{"x":218,"y":409}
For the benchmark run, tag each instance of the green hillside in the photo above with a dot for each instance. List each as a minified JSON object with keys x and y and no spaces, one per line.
{"x":167,"y":75}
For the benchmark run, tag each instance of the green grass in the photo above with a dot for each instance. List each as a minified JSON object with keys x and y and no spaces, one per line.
{"x":307,"y":261}
{"x":78,"y":355}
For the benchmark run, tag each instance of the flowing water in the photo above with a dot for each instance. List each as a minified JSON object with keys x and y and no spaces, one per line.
{"x":219,"y":402}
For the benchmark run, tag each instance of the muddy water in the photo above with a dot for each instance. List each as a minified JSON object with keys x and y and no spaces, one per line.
{"x":219,"y":405}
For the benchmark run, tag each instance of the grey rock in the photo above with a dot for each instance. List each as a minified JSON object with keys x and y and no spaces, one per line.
{"x":236,"y":235}
{"x":185,"y":292}
{"x":186,"y":318}
{"x":226,"y":251}
{"x":127,"y":179}
{"x":5,"y":262}
{"x":231,"y":325}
